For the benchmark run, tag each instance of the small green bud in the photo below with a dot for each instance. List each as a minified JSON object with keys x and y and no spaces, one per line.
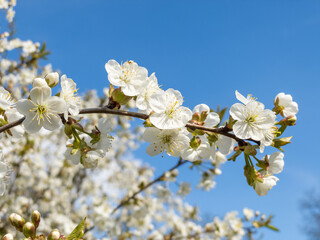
{"x":35,"y":218}
{"x":195,"y":142}
{"x":54,"y":235}
{"x":250,"y":150}
{"x":8,"y":236}
{"x":119,"y":97}
{"x":17,"y":221}
{"x":278,"y":110}
{"x":29,"y":230}
{"x":52,"y":79}
{"x":212,"y":138}
{"x":147,"y":123}
{"x":68,"y":130}
{"x":281,"y":142}
{"x":291,"y":120}
{"x":77,"y":126}
{"x":256,"y":224}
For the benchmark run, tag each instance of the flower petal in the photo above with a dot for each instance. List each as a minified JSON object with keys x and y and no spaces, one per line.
{"x":56,"y":104}
{"x":40,"y":94}
{"x":51,"y":122}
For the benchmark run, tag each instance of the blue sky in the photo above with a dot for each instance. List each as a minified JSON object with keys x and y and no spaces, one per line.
{"x":207,"y":50}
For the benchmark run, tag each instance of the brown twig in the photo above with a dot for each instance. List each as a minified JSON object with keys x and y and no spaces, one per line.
{"x":104,"y":110}
{"x":158,"y":179}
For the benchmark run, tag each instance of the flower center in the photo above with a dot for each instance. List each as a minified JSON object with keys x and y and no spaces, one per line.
{"x":251,"y":119}
{"x":127,"y":74}
{"x":166,"y":139}
{"x":171,"y":110}
{"x":41,"y":112}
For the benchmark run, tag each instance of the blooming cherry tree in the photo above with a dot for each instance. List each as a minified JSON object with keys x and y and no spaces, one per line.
{"x":70,"y":156}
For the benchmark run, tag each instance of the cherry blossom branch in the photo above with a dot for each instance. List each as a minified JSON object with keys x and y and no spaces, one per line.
{"x":11,"y":125}
{"x":158,"y":179}
{"x":103,"y":110}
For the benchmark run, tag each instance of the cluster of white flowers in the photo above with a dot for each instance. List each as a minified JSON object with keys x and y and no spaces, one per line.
{"x":167,"y":131}
{"x":8,"y":5}
{"x":44,"y":179}
{"x":255,"y":122}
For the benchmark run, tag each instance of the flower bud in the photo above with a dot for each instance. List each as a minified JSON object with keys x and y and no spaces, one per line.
{"x":290,"y":121}
{"x":217,"y":171}
{"x":29,"y":230}
{"x":281,"y":142}
{"x":196,"y":117}
{"x":8,"y":236}
{"x":17,"y":221}
{"x":52,"y":79}
{"x":250,"y":150}
{"x":195,"y":142}
{"x":39,"y":82}
{"x":119,"y":97}
{"x":54,"y":235}
{"x":35,"y":218}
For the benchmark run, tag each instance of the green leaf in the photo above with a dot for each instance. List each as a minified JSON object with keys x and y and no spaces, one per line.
{"x":43,"y":47}
{"x":272,"y":227}
{"x":78,"y":232}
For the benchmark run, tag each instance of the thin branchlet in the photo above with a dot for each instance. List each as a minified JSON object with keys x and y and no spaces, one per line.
{"x":104,"y":110}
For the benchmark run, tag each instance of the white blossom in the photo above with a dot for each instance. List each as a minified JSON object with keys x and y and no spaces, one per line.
{"x":4,"y":4}
{"x":267,"y":139}
{"x":203,"y":151}
{"x":6,"y":101}
{"x":287,"y":105}
{"x":104,"y":126}
{"x":29,"y":47}
{"x":129,"y":76}
{"x":244,"y":100}
{"x":52,"y":78}
{"x":151,"y":87}
{"x":39,"y":82}
{"x":69,"y":95}
{"x":252,"y":120}
{"x":275,"y":162}
{"x":41,"y":110}
{"x":90,"y":159}
{"x":174,"y":142}
{"x":10,"y":14}
{"x":168,"y":112}
{"x":248,"y":213}
{"x":267,"y":183}
{"x":212,"y":118}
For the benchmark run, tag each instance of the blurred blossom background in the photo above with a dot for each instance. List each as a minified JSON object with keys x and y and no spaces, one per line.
{"x":207,"y":50}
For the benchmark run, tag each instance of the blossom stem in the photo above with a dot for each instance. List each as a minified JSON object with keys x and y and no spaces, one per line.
{"x":158,"y":179}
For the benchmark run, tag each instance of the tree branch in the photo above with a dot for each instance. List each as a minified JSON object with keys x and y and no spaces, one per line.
{"x":103,"y":110}
{"x":158,"y":179}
